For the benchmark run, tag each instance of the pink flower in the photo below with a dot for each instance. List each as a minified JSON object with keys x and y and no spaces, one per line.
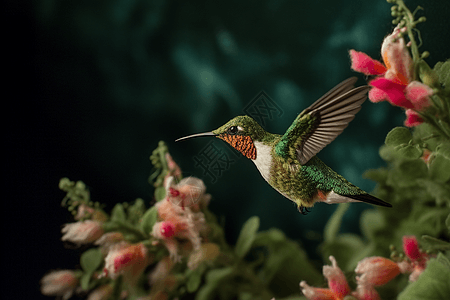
{"x":178,"y":223}
{"x":366,"y":292}
{"x":161,"y":270}
{"x":313,"y":293}
{"x":418,"y":259}
{"x":336,"y":279}
{"x":395,"y":78}
{"x":338,"y":287}
{"x":59,"y":283}
{"x":83,"y":232}
{"x":128,"y":260}
{"x":376,"y":271}
{"x":109,"y":239}
{"x":167,"y":229}
{"x":411,"y":247}
{"x":188,"y":192}
{"x":101,"y":293}
{"x":412,"y":118}
{"x":86,"y":212}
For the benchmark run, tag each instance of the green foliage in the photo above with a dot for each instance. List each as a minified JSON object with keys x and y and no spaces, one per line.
{"x":90,"y":261}
{"x":398,"y":136}
{"x":433,"y":283}
{"x":149,"y":219}
{"x":247,"y":236}
{"x":442,"y":69}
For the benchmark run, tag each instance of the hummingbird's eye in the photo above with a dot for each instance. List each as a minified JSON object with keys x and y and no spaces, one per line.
{"x":233,"y":130}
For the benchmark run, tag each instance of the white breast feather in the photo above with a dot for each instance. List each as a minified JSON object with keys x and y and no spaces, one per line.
{"x":263,"y":159}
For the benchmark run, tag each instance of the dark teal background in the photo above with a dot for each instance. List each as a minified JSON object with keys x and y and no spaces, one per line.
{"x":96,"y":84}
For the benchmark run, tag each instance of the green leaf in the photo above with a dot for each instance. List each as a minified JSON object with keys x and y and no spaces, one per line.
{"x":84,"y":280}
{"x":443,"y":260}
{"x":371,"y":221}
{"x":436,"y":244}
{"x":213,"y":278}
{"x":136,"y":211}
{"x":408,"y":151}
{"x":91,"y":259}
{"x":149,"y":219}
{"x":160,"y":193}
{"x":423,"y":132}
{"x":398,"y":136}
{"x":379,"y":175}
{"x":443,"y":71}
{"x":444,"y":149}
{"x":247,"y":236}
{"x":439,"y":168}
{"x":432,"y":284}
{"x":216,"y":275}
{"x":118,"y":213}
{"x":440,"y":192}
{"x":407,"y":172}
{"x":194,"y":280}
{"x":334,"y":223}
{"x":426,"y":74}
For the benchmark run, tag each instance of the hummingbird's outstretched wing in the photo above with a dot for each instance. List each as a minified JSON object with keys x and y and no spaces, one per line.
{"x":319,"y":124}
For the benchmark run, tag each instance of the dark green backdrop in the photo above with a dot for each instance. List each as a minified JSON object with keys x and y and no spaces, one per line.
{"x":98,"y":83}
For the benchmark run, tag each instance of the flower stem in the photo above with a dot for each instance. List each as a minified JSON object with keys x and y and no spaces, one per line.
{"x":410,"y":24}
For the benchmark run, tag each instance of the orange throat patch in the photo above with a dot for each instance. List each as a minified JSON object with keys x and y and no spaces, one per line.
{"x":243,"y":144}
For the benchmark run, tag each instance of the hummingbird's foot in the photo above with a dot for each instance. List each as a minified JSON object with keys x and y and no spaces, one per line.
{"x":303,"y":210}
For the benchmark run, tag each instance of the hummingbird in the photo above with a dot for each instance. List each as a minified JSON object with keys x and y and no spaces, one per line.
{"x":288,"y":162}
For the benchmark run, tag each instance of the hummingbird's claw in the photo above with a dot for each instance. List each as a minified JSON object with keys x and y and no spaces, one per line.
{"x":303,"y":210}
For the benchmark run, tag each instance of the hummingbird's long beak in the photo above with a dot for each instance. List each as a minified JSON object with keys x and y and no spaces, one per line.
{"x":196,"y":135}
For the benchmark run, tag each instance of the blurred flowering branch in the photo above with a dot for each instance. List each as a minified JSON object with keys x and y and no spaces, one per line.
{"x":170,"y":250}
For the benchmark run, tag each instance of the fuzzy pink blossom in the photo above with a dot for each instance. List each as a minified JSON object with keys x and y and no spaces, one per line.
{"x":59,"y":283}
{"x":366,"y":292}
{"x":187,"y":192}
{"x":338,"y":286}
{"x":167,"y":229}
{"x":363,"y":63}
{"x":336,"y":279}
{"x":128,"y":260}
{"x":178,"y":223}
{"x":82,"y":232}
{"x":103,"y":292}
{"x":411,"y":247}
{"x":418,"y":93}
{"x":412,"y":118}
{"x":376,"y":271}
{"x":417,"y":259}
{"x":395,"y":79}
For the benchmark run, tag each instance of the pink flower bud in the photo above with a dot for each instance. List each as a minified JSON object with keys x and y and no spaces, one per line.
{"x":313,"y":293}
{"x":59,"y":283}
{"x":411,"y":247}
{"x":336,"y":279}
{"x":101,"y":293}
{"x":366,"y":292}
{"x":129,"y":260}
{"x":84,"y":232}
{"x":418,"y":93}
{"x":412,"y":118}
{"x":376,"y":271}
{"x":167,"y":229}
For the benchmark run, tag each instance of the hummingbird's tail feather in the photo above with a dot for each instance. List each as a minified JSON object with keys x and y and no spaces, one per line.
{"x":332,"y":198}
{"x":368,"y":199}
